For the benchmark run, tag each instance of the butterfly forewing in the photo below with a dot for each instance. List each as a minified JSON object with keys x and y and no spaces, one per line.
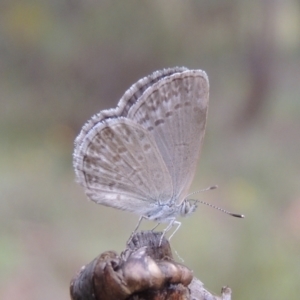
{"x":174,"y":111}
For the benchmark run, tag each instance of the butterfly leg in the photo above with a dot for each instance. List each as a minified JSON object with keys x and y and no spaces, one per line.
{"x":155,"y":226}
{"x":172,"y":222}
{"x":136,"y":228}
{"x":178,"y":225}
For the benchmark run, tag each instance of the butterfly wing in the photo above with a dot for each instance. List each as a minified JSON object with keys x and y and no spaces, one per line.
{"x":120,"y":166}
{"x":129,"y":98}
{"x":174,"y":111}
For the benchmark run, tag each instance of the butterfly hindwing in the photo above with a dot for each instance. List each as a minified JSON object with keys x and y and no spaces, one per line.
{"x":119,"y":160}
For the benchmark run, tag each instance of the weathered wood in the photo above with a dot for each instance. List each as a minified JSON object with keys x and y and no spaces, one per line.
{"x":144,"y":270}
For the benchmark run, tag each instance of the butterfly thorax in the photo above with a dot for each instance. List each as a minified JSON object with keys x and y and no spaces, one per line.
{"x":165,"y":212}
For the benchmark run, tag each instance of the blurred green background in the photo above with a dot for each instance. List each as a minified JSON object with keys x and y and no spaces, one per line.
{"x":63,"y":61}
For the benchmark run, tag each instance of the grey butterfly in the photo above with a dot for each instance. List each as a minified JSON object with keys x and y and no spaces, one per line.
{"x":142,"y":156}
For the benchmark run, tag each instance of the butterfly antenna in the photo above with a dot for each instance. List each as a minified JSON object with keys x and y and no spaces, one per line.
{"x":213,"y":187}
{"x":221,"y":209}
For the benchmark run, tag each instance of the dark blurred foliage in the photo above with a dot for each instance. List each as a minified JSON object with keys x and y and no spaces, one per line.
{"x":63,"y":61}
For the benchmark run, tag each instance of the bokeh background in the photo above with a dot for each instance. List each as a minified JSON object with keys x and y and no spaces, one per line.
{"x":63,"y":61}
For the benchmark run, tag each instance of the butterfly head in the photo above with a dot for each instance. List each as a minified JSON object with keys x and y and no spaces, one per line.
{"x":187,"y":207}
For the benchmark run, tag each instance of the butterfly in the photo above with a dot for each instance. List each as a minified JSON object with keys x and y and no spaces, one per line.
{"x":142,"y":155}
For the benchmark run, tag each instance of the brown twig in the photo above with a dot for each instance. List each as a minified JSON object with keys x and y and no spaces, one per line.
{"x":144,"y":270}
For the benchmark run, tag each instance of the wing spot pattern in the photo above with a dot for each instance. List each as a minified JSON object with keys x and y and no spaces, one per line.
{"x":169,"y":114}
{"x":147,"y":147}
{"x":107,"y":133}
{"x":111,"y":185}
{"x":159,"y":122}
{"x":116,"y":158}
{"x":122,"y":150}
{"x":178,"y":106}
